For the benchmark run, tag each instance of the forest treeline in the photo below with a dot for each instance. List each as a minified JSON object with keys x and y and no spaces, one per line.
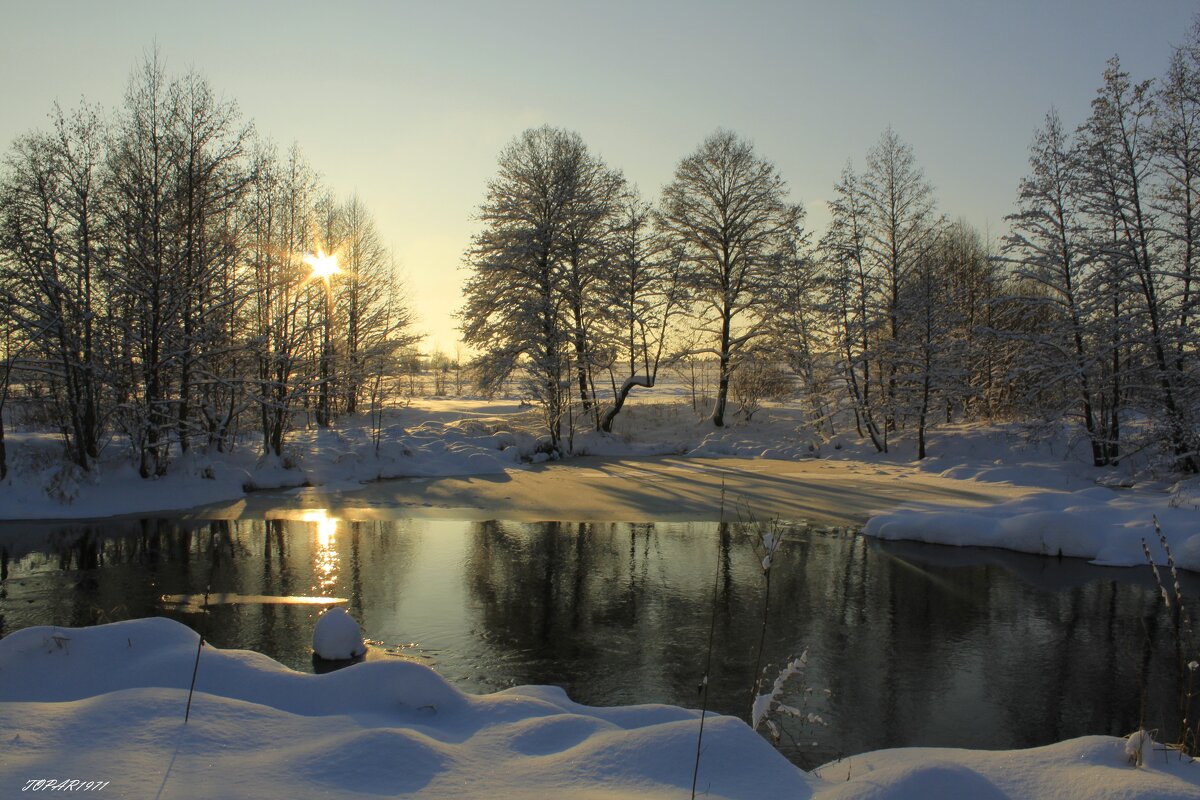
{"x":154,"y":281}
{"x":159,"y":282}
{"x":895,"y":317}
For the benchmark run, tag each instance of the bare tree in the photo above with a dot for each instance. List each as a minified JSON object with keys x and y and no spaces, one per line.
{"x":727,"y":211}
{"x":208,"y":180}
{"x":143,"y":267}
{"x":594,"y":195}
{"x":372,"y":316}
{"x":798,"y":320}
{"x":929,"y":358}
{"x":280,"y":222}
{"x":646,"y":291}
{"x":853,"y":288}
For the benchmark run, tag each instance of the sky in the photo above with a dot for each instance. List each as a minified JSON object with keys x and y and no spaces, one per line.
{"x":409,"y":104}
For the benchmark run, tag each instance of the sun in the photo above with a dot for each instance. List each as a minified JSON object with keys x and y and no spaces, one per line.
{"x":323,"y":266}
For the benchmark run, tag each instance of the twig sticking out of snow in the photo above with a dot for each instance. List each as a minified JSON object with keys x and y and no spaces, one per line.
{"x":771,"y":703}
{"x":712,"y":629}
{"x":196,"y":667}
{"x":1189,"y":735}
{"x":764,"y":702}
{"x":216,"y":539}
{"x":1139,"y":744}
{"x":766,"y":536}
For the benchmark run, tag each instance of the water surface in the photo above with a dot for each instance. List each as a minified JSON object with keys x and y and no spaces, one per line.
{"x":908,"y":644}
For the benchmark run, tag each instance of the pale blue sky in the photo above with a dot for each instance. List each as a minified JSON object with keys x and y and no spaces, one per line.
{"x":409,"y":104}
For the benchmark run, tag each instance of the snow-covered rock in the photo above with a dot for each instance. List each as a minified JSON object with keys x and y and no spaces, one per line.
{"x":337,"y":636}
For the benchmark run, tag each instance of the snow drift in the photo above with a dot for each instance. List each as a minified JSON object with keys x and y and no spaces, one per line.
{"x":106,"y":704}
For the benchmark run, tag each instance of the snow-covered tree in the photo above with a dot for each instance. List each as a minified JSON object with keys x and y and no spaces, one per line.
{"x":143,"y":268}
{"x":49,"y":266}
{"x":1118,"y":175}
{"x":280,"y":216}
{"x":1176,"y":144}
{"x":207,"y":177}
{"x":898,"y":202}
{"x":853,"y":290}
{"x":799,"y":336}
{"x":1052,"y":258}
{"x":514,"y":303}
{"x":929,"y":359}
{"x":533,"y":297}
{"x":373,"y":318}
{"x":594,"y":196}
{"x":149,"y":263}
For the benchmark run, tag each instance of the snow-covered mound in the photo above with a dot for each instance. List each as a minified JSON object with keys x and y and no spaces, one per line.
{"x":1101,"y":524}
{"x":107,"y":703}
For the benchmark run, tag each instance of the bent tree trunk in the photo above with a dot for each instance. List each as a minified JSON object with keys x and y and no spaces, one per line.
{"x":606,"y":421}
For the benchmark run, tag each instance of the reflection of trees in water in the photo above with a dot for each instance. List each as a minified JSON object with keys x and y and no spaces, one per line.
{"x":615,"y":612}
{"x":1095,"y":640}
{"x":914,"y":651}
{"x":3,"y":587}
{"x":122,"y":569}
{"x":1016,"y":651}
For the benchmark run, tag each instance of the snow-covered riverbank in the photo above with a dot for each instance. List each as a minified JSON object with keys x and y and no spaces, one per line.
{"x":994,"y":485}
{"x":107,"y":704}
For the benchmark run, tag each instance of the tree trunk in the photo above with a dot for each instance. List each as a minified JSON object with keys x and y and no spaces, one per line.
{"x":3,"y":450}
{"x":718,"y":417}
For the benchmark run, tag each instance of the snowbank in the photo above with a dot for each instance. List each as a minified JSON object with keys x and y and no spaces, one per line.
{"x":1100,"y":524}
{"x":41,"y":486}
{"x":107,"y":703}
{"x":1088,"y":768}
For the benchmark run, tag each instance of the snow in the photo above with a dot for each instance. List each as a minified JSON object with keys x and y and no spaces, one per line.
{"x":1103,"y":525}
{"x":434,"y":438}
{"x":1087,"y":768}
{"x":337,"y":637}
{"x":106,"y":703}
